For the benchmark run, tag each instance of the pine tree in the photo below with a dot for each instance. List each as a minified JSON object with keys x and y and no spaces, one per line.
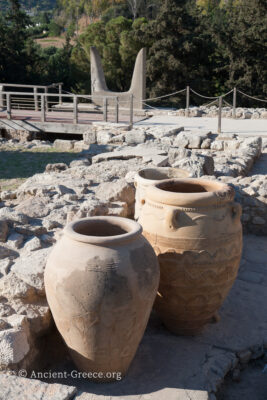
{"x":179,"y":52}
{"x":241,"y":36}
{"x":14,"y":36}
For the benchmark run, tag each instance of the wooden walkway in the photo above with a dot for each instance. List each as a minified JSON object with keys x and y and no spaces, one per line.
{"x":66,"y":116}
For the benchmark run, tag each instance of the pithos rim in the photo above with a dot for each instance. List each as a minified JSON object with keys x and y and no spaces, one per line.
{"x":140,"y":175}
{"x":190,"y":192}
{"x":123,"y":230}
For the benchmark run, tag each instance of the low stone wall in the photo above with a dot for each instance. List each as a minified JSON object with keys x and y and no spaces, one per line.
{"x":212,"y":111}
{"x":251,"y":193}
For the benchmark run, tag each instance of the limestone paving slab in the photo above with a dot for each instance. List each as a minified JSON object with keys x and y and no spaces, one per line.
{"x":127,"y":153}
{"x":15,"y":388}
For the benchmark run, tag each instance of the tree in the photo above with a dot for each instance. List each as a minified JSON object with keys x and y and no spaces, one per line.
{"x":54,"y":29}
{"x":179,"y":49}
{"x":14,"y":59}
{"x":240,"y":32}
{"x":74,"y":9}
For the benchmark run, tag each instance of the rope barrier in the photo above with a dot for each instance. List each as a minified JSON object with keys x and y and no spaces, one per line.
{"x":226,"y":94}
{"x":204,"y":97}
{"x":153,"y":108}
{"x":252,"y":97}
{"x":166,"y":95}
{"x":228,"y":105}
{"x":184,"y":90}
{"x":210,"y":104}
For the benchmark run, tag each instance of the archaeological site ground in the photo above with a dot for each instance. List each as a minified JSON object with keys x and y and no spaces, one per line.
{"x":48,"y":184}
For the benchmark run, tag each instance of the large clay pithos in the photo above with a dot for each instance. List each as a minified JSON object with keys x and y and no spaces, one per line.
{"x":101,"y":280}
{"x":194,"y":227}
{"x":149,"y":176}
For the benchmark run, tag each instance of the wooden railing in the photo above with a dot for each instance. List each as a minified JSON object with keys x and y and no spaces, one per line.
{"x":45,"y":103}
{"x":35,"y":88}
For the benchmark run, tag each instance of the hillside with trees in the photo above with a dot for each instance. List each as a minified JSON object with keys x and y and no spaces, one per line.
{"x":31,"y":5}
{"x":211,"y":45}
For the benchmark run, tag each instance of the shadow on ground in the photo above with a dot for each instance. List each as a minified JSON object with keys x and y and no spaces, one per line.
{"x":252,"y":385}
{"x":163,"y":362}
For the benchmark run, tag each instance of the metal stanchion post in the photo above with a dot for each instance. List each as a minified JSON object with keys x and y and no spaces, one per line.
{"x":116,"y":110}
{"x":131,"y":110}
{"x":234,"y":103}
{"x":75,"y":109}
{"x":187,"y":101}
{"x":105,"y":109}
{"x":220,"y":115}
{"x":8,"y":105}
{"x":43,"y":108}
{"x":35,"y":91}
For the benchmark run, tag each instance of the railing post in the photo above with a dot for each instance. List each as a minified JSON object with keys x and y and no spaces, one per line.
{"x":131,"y":110}
{"x":60,"y":93}
{"x":43,"y":108}
{"x":220,"y":115}
{"x":1,"y":96}
{"x":46,"y":99}
{"x":116,"y":110}
{"x":234,"y":103}
{"x":35,"y":90}
{"x":75,"y":109}
{"x":187,"y":101}
{"x":8,"y":105}
{"x":105,"y":109}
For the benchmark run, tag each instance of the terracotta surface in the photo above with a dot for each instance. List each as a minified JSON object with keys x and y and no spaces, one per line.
{"x":101,"y":281}
{"x":194,"y":227}
{"x":149,"y":176}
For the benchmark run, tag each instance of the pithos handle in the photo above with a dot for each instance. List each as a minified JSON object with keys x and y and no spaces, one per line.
{"x":236,"y":212}
{"x":171,"y":218}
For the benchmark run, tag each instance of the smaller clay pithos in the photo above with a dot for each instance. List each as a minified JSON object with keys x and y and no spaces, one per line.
{"x":101,"y":280}
{"x":149,"y":176}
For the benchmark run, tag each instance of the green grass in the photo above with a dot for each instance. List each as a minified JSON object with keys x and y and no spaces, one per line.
{"x":16,"y":165}
{"x":49,"y":40}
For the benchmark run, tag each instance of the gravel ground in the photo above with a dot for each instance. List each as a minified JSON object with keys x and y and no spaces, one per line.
{"x":240,"y":127}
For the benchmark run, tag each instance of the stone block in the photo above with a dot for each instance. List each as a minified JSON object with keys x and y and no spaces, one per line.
{"x":135,"y":137}
{"x":3,"y":231}
{"x":103,"y":137}
{"x":14,"y":346}
{"x":244,"y":356}
{"x":14,"y":388}
{"x":231,"y":145}
{"x":15,"y":240}
{"x":89,"y":137}
{"x":30,"y":268}
{"x":217,"y":145}
{"x":58,"y":167}
{"x":160,"y":161}
{"x":258,"y":221}
{"x":64,"y":145}
{"x":206,"y":144}
{"x":81,"y":146}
